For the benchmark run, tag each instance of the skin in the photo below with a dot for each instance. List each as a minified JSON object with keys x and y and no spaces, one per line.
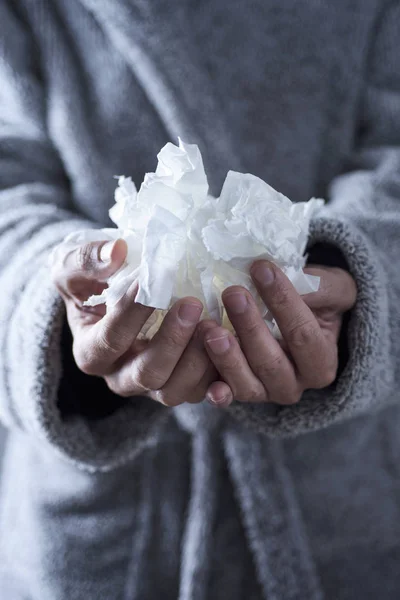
{"x":106,"y":344}
{"x":199,"y":358}
{"x":258,"y":368}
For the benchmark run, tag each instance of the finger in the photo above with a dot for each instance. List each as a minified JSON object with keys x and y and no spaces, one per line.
{"x":74,"y":267}
{"x":264,"y":354}
{"x":193,"y":373}
{"x":337,"y":290}
{"x":231,"y":364}
{"x":97,"y":348}
{"x":315,"y":357}
{"x":219,"y":394}
{"x":79,"y":319}
{"x":154,"y":366}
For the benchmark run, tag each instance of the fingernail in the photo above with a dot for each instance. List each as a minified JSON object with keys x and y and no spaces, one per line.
{"x":219,"y":345}
{"x":235,"y":302}
{"x":106,"y":251}
{"x":189,"y":314}
{"x":263,"y":274}
{"x":217,"y":401}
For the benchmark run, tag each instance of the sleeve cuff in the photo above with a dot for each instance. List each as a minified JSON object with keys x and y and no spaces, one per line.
{"x":34,"y":375}
{"x":366,"y":379}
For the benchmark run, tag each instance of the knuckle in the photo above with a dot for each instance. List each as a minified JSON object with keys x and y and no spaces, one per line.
{"x":231,"y":364}
{"x":302,"y":334}
{"x":324,"y":377}
{"x":86,"y":257}
{"x":146,"y":378}
{"x":113,"y":341}
{"x":287,"y":394}
{"x":167,"y":398}
{"x":84,"y":361}
{"x":252,"y":328}
{"x":271,"y":368}
{"x":118,"y":389}
{"x":195,"y":364}
{"x":174,"y":338}
{"x":252,"y":394}
{"x":87,"y":367}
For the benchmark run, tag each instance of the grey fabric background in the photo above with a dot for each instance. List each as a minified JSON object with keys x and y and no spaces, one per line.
{"x":2,"y":442}
{"x":299,"y":502}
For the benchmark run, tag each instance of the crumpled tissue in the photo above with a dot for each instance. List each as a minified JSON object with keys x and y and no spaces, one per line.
{"x":183,"y":242}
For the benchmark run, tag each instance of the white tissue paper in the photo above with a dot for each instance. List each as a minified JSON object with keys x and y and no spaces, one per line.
{"x":183,"y":242}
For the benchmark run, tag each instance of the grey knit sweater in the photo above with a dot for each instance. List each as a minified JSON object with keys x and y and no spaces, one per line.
{"x":111,"y":499}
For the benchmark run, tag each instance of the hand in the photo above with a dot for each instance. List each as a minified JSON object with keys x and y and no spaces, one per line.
{"x":172,"y":368}
{"x":258,"y":368}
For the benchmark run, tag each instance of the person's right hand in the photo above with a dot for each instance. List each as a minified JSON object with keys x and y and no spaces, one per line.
{"x":172,"y":368}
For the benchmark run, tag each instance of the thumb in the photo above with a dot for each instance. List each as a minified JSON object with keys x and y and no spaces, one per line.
{"x":97,"y":260}
{"x":92,"y":261}
{"x":337,"y":291}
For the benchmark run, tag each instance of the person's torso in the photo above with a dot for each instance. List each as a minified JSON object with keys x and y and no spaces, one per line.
{"x":267,"y":87}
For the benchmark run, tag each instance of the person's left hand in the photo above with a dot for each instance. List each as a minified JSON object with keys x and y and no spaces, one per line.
{"x":256,"y":367}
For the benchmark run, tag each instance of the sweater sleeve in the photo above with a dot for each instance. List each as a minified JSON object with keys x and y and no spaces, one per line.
{"x":36,"y":213}
{"x":362,"y":223}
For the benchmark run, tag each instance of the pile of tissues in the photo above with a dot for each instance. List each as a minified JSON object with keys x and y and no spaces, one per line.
{"x":183,"y":242}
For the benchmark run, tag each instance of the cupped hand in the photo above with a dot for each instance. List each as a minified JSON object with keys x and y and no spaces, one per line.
{"x":172,"y":368}
{"x":256,"y":367}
